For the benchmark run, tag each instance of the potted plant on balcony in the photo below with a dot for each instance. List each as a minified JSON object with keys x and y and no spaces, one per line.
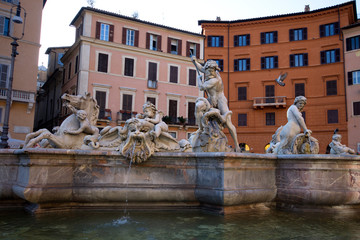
{"x":166,"y":119}
{"x":182,"y":120}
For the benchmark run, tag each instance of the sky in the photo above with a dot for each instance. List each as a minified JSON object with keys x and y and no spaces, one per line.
{"x":57,"y":14}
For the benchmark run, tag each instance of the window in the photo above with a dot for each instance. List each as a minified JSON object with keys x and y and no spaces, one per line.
{"x":60,"y":55}
{"x":242,"y":93}
{"x":151,"y":100}
{"x":215,"y":41}
{"x":270,"y":119}
{"x":4,"y":26}
{"x":153,"y":42}
{"x":76,"y":64}
{"x":332,"y":116}
{"x":329,"y":29}
{"x":130,"y":37}
{"x":242,"y":119}
{"x":192,"y":49}
{"x":268,"y":37}
{"x":356,"y":108}
{"x":69,"y":72}
{"x":298,"y":60}
{"x":298,"y":34}
{"x":220,"y":63}
{"x":174,"y":46}
{"x":299,"y":89}
{"x":79,"y":31}
{"x":3,"y":75}
{"x":129,"y":67}
{"x":9,"y":1}
{"x":354,"y":77}
{"x":173,"y":110}
{"x":103,"y":62}
{"x":331,"y":88}
{"x":104,"y":31}
{"x":241,"y":40}
{"x":192,"y":77}
{"x":173,"y":74}
{"x":242,"y":64}
{"x":353,"y":43}
{"x":101,"y":101}
{"x":126,"y":106}
{"x":191,"y":113}
{"x":152,"y":75}
{"x":270,"y":93}
{"x":330,"y":56}
{"x":269,"y":62}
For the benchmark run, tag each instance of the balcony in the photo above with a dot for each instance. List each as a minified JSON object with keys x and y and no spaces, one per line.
{"x":124,"y":115}
{"x":262,"y":102}
{"x":20,"y":96}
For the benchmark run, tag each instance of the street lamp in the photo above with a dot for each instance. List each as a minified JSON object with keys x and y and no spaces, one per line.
{"x":18,"y":20}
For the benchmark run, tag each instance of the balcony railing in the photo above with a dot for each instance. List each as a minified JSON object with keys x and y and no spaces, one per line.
{"x":124,"y":115}
{"x":19,"y":96}
{"x":269,"y":101}
{"x":152,"y":84}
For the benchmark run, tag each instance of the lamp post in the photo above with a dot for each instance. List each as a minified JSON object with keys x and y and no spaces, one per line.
{"x":18,"y":20}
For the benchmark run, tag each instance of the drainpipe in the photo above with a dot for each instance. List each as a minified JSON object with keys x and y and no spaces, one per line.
{"x":228,"y":60}
{"x":341,"y":38}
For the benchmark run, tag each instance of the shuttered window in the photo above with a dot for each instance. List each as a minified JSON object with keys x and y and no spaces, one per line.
{"x":268,"y":37}
{"x":192,"y":77}
{"x":129,"y":67}
{"x":354,"y":77}
{"x":329,"y":29}
{"x":103,"y":62}
{"x":3,"y":75}
{"x":4,"y":26}
{"x":152,"y":74}
{"x":104,"y":32}
{"x":298,"y":34}
{"x":269,"y":62}
{"x":270,"y":93}
{"x":299,"y":89}
{"x":331,"y":88}
{"x":353,"y":43}
{"x":173,"y":110}
{"x":242,"y":64}
{"x":173,"y":74}
{"x":242,"y":119}
{"x":215,"y":41}
{"x":298,"y":60}
{"x":241,"y":40}
{"x":356,"y":108}
{"x":151,"y":100}
{"x":191,"y":113}
{"x":101,"y":101}
{"x":192,"y":49}
{"x":242,"y":93}
{"x":330,"y":56}
{"x":270,"y":119}
{"x":332,"y":116}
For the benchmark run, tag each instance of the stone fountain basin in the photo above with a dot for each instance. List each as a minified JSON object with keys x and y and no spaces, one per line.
{"x":58,"y":179}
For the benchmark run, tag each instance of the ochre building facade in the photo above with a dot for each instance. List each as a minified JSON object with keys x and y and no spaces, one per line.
{"x":252,"y":53}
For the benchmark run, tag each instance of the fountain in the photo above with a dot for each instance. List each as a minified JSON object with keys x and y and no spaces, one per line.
{"x":78,"y":167}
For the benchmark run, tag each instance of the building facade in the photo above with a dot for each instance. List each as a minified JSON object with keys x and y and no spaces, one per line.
{"x":351,"y":35}
{"x":307,"y":46}
{"x":48,"y":100}
{"x":124,"y":62}
{"x":22,"y":109}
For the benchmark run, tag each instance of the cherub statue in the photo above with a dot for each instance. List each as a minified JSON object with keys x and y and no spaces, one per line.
{"x":214,"y":88}
{"x":152,"y":115}
{"x":85,"y":125}
{"x":337,"y":147}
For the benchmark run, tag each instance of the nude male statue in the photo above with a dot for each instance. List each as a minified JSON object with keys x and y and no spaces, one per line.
{"x":214,"y":88}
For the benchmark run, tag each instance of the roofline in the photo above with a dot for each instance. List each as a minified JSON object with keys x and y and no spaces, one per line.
{"x":284,"y":15}
{"x":129,"y":18}
{"x":50,"y":48}
{"x":352,"y":25}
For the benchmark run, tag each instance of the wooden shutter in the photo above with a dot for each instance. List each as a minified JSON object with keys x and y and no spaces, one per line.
{"x":270,"y":92}
{"x":276,"y":61}
{"x":356,"y":108}
{"x":136,"y":43}
{"x":350,"y":78}
{"x":151,"y":100}
{"x":242,"y":119}
{"x":159,"y":43}
{"x":236,"y":40}
{"x":111,"y":33}
{"x":169,"y":45}
{"x":173,"y":74}
{"x":97,"y":32}
{"x":221,"y":41}
{"x":292,"y":60}
{"x":299,"y":89}
{"x":248,"y":40}
{"x":322,"y":30}
{"x":127,"y":102}
{"x":304,"y":33}
{"x":129,"y":67}
{"x":102,"y":62}
{"x":3,"y":75}
{"x":152,"y":74}
{"x":180,"y":47}
{"x":306,"y":59}
{"x":275,"y":36}
{"x":197,"y":50}
{"x":337,"y":55}
{"x":332,"y":116}
{"x":248,"y":64}
{"x":187,"y":49}
{"x":173,"y":110}
{"x":124,"y":30}
{"x":262,"y":37}
{"x":147,"y":40}
{"x":242,"y":93}
{"x":291,"y":34}
{"x":323,"y":57}
{"x":236,"y":65}
{"x":101,"y":101}
{"x":263,"y":63}
{"x":348,"y":44}
{"x":331,"y":88}
{"x":209,"y":41}
{"x":191,"y":113}
{"x":336,"y":28}
{"x":192,"y":77}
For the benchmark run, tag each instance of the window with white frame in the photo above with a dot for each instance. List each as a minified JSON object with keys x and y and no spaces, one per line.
{"x":4,"y":25}
{"x":173,"y":134}
{"x":174,"y":46}
{"x":104,"y":31}
{"x":153,"y":42}
{"x":130,"y":37}
{"x":193,"y":49}
{"x":4,"y":75}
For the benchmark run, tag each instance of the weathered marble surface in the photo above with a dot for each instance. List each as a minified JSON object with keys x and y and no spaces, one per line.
{"x":55,"y":179}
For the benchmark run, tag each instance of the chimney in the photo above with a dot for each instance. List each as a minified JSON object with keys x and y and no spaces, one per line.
{"x":307,"y":8}
{"x":218,"y":18}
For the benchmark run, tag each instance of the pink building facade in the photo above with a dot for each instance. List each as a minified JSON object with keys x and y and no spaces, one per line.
{"x":351,"y":35}
{"x":124,"y":62}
